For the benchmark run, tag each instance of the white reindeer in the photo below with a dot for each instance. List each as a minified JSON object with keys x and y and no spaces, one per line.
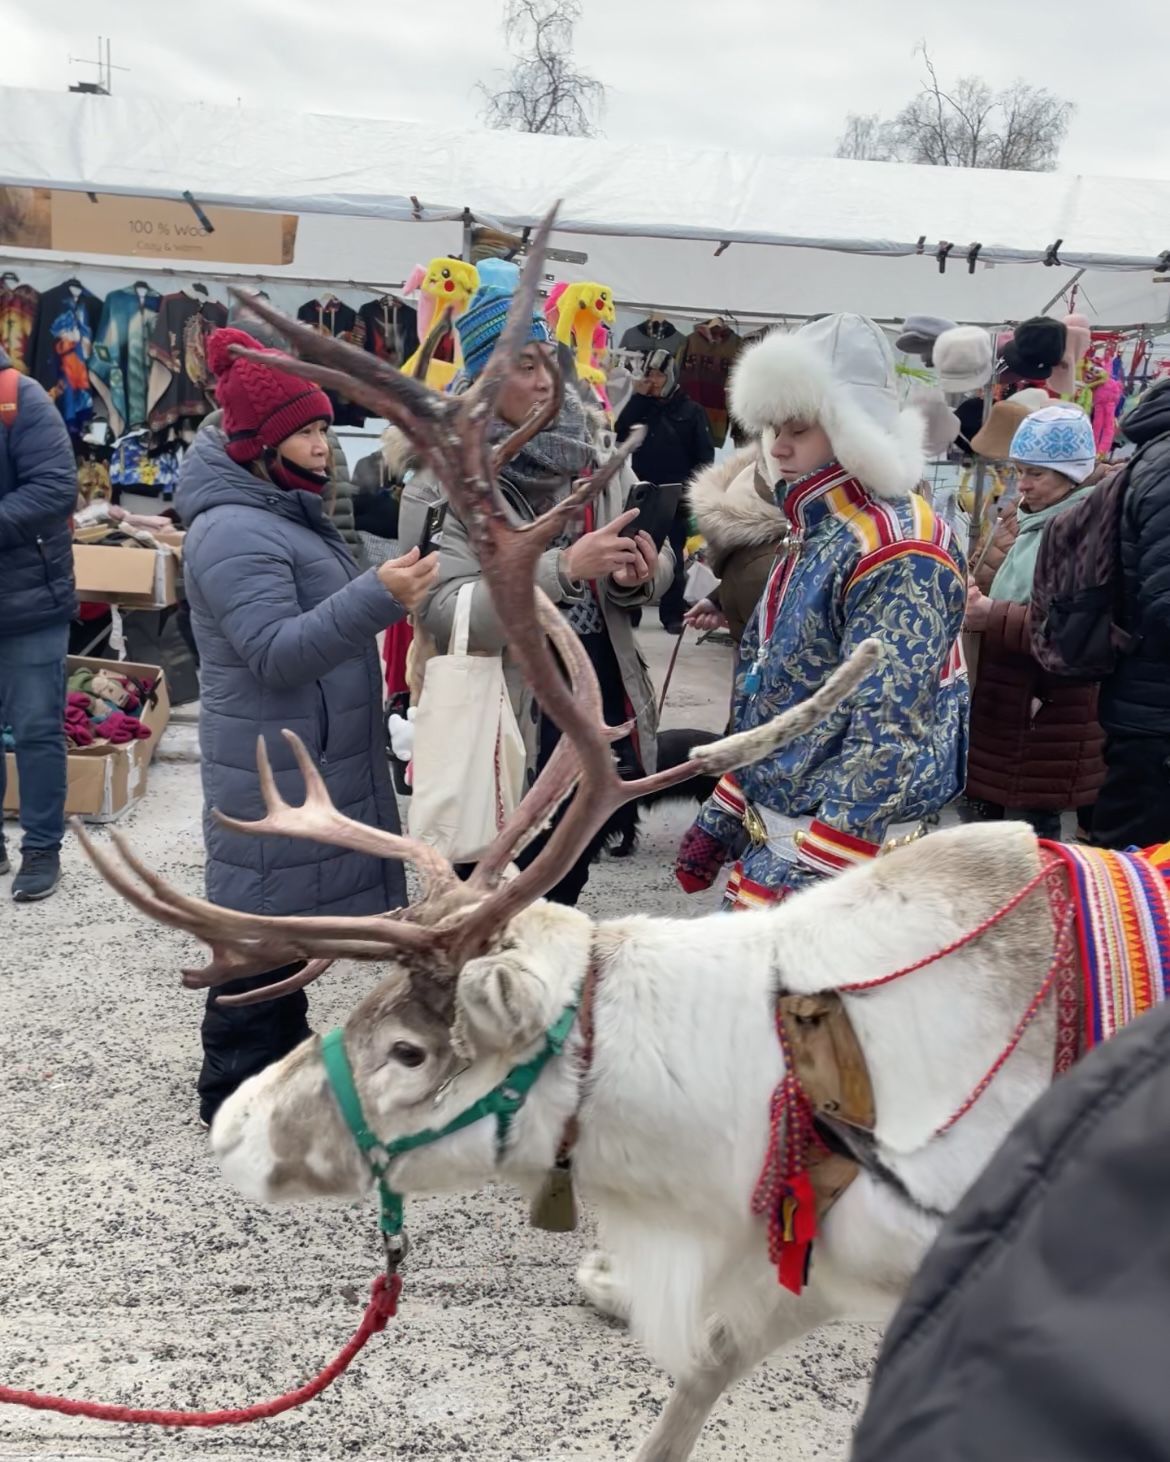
{"x":663,"y":1084}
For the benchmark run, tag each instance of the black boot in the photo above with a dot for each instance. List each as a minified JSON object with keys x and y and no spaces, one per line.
{"x":241,"y":1040}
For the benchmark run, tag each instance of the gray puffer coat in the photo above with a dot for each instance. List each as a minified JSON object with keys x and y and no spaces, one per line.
{"x":285,"y":625}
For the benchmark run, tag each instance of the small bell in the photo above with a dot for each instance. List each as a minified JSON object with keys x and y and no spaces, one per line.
{"x":554,"y":1209}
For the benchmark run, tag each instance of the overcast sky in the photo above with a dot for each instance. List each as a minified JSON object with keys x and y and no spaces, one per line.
{"x":757,"y":75}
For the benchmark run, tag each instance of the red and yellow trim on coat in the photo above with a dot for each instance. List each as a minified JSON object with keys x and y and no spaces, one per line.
{"x":728,"y":798}
{"x":829,"y":850}
{"x":745,"y":893}
{"x":881,"y":537}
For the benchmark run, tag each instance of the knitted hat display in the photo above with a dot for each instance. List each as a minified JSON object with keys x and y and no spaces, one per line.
{"x":838,"y":371}
{"x":1036,"y":348}
{"x":481,"y":325}
{"x":262,"y":404}
{"x":919,"y":333}
{"x":963,"y":358}
{"x":1057,"y":437}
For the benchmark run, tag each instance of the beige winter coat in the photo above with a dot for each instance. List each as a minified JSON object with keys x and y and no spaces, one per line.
{"x":737,"y":515}
{"x":458,"y":565}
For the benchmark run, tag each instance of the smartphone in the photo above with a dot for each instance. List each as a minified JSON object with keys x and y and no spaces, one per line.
{"x":656,"y":507}
{"x":432,"y":529}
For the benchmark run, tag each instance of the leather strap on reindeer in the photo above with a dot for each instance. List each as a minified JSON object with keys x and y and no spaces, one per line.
{"x":824,"y":1073}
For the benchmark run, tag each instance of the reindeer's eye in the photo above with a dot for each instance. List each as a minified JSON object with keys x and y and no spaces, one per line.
{"x":408,"y":1054}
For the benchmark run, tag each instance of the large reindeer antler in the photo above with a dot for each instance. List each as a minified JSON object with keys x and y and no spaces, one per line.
{"x":454,"y":920}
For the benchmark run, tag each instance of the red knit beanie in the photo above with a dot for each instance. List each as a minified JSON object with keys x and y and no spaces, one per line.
{"x":262,"y":405}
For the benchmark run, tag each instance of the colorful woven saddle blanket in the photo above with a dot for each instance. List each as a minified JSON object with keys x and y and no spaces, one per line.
{"x":1122,"y":915}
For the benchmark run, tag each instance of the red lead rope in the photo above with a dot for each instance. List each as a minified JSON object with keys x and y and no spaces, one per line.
{"x":383,"y":1304}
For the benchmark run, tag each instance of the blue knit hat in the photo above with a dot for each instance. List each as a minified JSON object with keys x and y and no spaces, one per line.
{"x":482,"y":323}
{"x":1059,"y":437}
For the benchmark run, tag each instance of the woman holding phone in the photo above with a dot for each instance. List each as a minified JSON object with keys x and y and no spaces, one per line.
{"x":595,"y":574}
{"x":285,"y":622}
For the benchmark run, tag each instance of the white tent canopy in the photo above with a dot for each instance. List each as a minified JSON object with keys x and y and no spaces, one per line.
{"x":805,"y":235}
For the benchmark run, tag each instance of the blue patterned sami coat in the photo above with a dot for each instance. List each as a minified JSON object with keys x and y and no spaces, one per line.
{"x":896,"y":750}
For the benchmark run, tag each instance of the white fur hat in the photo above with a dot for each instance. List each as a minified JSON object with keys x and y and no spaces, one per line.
{"x":963,"y":358}
{"x":838,"y":371}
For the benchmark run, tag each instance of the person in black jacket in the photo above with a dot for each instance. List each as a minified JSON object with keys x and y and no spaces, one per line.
{"x":1035,"y":1328}
{"x":678,"y":442}
{"x":1133,"y":807}
{"x":38,"y":490}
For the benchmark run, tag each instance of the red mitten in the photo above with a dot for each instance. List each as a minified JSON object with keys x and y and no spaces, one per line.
{"x":700,"y":860}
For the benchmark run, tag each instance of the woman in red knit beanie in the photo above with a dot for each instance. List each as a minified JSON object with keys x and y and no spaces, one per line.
{"x":285,"y":623}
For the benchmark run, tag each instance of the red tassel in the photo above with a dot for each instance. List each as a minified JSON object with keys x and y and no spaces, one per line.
{"x":798,"y":1228}
{"x":793,"y":1269}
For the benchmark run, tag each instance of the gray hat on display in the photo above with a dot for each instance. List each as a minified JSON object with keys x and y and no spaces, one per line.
{"x":919,"y":332}
{"x":964,"y":359}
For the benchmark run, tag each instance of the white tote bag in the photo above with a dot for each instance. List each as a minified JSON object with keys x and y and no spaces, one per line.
{"x":469,"y":757}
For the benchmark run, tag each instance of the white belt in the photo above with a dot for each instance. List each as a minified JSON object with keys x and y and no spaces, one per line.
{"x":782,"y":831}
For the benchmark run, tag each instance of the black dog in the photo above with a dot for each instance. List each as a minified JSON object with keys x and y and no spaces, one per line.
{"x":620,"y":834}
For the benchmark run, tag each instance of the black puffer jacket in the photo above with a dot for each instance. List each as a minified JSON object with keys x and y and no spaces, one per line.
{"x":38,"y":490}
{"x":1035,"y":1329}
{"x":1137,"y":696}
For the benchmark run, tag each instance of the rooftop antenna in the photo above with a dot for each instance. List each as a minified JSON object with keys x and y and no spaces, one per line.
{"x":104,"y":85}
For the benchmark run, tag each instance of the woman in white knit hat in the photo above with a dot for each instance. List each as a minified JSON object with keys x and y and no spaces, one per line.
{"x":1036,"y":747}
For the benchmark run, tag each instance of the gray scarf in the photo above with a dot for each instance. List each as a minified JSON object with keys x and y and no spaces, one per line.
{"x":544,"y":471}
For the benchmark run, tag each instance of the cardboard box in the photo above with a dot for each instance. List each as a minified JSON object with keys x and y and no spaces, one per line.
{"x":104,"y":781}
{"x":137,"y":578}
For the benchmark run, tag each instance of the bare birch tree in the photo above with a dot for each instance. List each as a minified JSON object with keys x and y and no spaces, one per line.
{"x":969,"y":125}
{"x":544,"y":91}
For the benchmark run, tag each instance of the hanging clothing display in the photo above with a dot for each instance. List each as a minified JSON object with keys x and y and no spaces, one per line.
{"x":710,"y":353}
{"x":19,"y":304}
{"x":63,"y":347}
{"x":181,"y":388}
{"x":135,"y":468}
{"x":329,"y":316}
{"x":653,"y":335}
{"x":120,"y":368}
{"x":391,"y":329}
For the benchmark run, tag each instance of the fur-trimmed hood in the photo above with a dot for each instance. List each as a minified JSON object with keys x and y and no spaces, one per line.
{"x":838,"y":371}
{"x":398,"y":453}
{"x":729,"y":508}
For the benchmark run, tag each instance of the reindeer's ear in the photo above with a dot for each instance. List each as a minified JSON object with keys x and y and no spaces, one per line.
{"x":501,"y":1003}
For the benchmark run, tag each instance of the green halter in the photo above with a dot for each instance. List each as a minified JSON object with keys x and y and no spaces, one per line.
{"x":502,"y":1102}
